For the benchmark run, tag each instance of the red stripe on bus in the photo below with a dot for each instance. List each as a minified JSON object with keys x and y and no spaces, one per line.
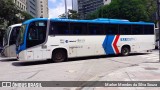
{"x":115,"y":44}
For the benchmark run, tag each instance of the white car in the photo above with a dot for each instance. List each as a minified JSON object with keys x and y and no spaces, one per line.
{"x":157,"y":44}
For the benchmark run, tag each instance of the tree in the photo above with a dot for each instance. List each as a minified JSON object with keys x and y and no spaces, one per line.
{"x":8,"y":11}
{"x":71,"y":14}
{"x":133,"y":10}
{"x":11,"y":14}
{"x":25,"y":16}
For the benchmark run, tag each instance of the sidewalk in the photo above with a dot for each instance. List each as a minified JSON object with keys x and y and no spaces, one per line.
{"x":5,"y":58}
{"x":142,"y":72}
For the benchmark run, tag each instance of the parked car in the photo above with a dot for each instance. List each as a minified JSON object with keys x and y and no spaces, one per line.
{"x":157,"y":44}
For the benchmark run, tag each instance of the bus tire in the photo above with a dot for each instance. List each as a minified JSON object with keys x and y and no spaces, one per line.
{"x":125,"y":51}
{"x":59,"y":55}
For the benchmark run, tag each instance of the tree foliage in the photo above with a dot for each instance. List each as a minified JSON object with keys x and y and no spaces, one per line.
{"x":133,"y":10}
{"x":71,"y":14}
{"x":9,"y":13}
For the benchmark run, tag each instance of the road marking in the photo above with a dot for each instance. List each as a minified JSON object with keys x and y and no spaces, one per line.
{"x":71,"y":71}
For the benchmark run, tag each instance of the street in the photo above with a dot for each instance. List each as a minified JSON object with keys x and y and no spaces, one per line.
{"x":79,"y":69}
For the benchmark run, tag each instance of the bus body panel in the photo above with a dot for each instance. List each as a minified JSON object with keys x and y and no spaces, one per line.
{"x":137,"y":42}
{"x":81,"y":46}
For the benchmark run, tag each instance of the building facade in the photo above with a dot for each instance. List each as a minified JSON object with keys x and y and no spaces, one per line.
{"x":21,"y":4}
{"x":75,"y":5}
{"x":88,"y":6}
{"x":42,"y":8}
{"x":31,"y":8}
{"x":36,"y":8}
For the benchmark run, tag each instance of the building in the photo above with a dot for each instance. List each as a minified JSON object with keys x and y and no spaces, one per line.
{"x":21,"y":4}
{"x":88,"y":6}
{"x":75,"y":5}
{"x":42,"y":8}
{"x":36,"y":8}
{"x":31,"y":8}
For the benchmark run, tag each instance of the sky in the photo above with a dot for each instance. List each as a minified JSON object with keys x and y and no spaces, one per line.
{"x":57,"y":7}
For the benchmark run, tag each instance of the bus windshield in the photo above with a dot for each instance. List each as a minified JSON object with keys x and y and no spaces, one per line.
{"x":6,"y":35}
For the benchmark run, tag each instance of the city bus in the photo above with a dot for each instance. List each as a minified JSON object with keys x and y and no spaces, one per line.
{"x":9,"y":40}
{"x":59,"y":39}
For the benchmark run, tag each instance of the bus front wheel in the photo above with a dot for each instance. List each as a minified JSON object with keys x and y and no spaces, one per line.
{"x":125,"y":51}
{"x":59,"y":55}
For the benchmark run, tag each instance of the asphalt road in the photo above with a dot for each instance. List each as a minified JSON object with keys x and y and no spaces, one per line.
{"x":79,"y":69}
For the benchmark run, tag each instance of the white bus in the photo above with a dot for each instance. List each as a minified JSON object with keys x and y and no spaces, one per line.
{"x":9,"y":40}
{"x":59,"y":39}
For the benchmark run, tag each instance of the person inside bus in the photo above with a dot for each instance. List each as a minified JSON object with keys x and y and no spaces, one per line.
{"x":31,"y":34}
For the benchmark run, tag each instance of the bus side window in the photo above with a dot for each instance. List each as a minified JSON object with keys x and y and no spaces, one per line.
{"x":137,"y":29}
{"x":59,"y":28}
{"x":125,"y":29}
{"x":148,"y":29}
{"x":78,"y":29}
{"x":111,"y":29}
{"x":95,"y":29}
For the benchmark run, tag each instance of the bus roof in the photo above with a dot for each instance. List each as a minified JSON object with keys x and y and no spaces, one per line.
{"x":99,"y":20}
{"x":35,"y":19}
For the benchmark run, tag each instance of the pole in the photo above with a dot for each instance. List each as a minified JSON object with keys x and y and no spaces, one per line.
{"x":158,"y":3}
{"x":66,"y":9}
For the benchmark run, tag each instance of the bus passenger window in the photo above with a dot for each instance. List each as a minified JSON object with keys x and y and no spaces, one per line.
{"x":149,"y":29}
{"x":137,"y":29}
{"x":111,"y":29}
{"x":78,"y":29}
{"x":59,"y":28}
{"x":95,"y":29}
{"x":125,"y":29}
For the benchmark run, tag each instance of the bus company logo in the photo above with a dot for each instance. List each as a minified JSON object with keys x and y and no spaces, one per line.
{"x":6,"y":84}
{"x":66,"y":41}
{"x":128,"y":39}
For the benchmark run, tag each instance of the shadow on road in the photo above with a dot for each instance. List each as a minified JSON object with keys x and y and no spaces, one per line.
{"x":104,"y":56}
{"x":72,"y":59}
{"x":8,"y":60}
{"x":30,"y":63}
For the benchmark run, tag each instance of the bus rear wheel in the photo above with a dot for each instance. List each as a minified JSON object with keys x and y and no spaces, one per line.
{"x":125,"y":51}
{"x":59,"y":56}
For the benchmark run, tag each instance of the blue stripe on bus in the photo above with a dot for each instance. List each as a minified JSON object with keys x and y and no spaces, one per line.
{"x":107,"y":44}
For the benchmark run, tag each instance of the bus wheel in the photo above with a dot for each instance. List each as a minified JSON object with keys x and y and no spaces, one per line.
{"x":125,"y":51}
{"x":59,"y":55}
